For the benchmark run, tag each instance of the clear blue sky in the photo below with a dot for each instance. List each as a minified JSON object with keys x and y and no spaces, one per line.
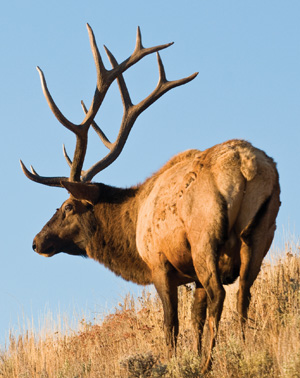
{"x":248,"y":57}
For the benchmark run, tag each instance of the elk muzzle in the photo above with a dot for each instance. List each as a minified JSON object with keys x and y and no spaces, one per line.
{"x":43,"y":245}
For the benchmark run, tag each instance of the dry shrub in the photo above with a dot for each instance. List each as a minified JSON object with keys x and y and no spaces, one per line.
{"x":130,"y":341}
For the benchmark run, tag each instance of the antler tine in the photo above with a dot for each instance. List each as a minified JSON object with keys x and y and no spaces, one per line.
{"x":140,"y":51}
{"x":100,"y":133}
{"x":68,"y":160}
{"x":161,"y":69}
{"x":138,"y":43}
{"x":50,"y":181}
{"x":101,"y":70}
{"x":126,"y":100}
{"x":103,"y":81}
{"x":67,"y":157}
{"x":163,"y":82}
{"x":33,"y":171}
{"x":58,"y":114}
{"x":131,"y":112}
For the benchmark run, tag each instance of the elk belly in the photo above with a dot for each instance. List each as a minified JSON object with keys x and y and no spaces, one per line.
{"x":167,"y":242}
{"x":177,"y":252}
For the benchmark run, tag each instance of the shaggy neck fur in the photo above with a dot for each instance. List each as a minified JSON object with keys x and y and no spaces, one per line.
{"x":114,"y":242}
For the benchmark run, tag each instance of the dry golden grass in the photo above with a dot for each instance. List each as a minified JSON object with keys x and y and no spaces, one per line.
{"x":130,"y":342}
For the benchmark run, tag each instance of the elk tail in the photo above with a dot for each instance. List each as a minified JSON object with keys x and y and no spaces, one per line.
{"x":248,"y":164}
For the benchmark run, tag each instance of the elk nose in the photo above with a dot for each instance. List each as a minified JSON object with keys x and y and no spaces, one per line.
{"x":34,"y":245}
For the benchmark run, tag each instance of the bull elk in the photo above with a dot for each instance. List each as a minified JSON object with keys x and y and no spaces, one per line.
{"x":205,"y":217}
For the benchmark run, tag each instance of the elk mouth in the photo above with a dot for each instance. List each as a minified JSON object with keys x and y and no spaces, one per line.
{"x":49,"y":252}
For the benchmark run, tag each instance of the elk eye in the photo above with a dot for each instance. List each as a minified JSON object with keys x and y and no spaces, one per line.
{"x":68,"y":207}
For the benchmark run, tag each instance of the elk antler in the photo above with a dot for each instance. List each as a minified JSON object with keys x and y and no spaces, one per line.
{"x":131,"y":112}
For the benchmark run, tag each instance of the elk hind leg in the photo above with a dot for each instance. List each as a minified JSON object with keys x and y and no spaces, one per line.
{"x":243,"y":294}
{"x":216,"y":297}
{"x":204,"y":258}
{"x":256,"y":241}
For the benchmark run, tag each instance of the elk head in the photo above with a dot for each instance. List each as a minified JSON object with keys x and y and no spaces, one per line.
{"x":70,"y":227}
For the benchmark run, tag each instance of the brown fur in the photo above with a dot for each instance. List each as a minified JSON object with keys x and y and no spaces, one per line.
{"x":205,"y":217}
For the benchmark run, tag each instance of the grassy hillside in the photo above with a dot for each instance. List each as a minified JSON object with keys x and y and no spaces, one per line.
{"x":130,"y":342}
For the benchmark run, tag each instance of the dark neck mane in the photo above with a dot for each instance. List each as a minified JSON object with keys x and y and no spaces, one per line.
{"x":114,"y":242}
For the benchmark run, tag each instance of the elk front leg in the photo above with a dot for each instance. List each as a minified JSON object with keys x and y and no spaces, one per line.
{"x":199,"y":314}
{"x":167,"y":291}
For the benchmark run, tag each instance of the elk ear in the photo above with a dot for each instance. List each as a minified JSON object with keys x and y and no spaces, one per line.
{"x":83,"y":191}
